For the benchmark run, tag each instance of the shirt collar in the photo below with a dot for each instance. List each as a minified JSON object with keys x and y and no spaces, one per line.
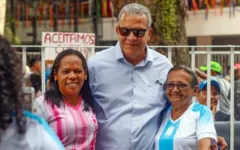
{"x":119,"y":54}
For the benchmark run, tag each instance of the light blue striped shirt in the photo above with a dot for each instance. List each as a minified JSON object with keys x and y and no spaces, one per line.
{"x":128,"y":99}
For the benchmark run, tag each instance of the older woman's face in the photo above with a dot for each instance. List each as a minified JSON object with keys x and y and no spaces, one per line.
{"x":70,"y":75}
{"x":178,"y":87}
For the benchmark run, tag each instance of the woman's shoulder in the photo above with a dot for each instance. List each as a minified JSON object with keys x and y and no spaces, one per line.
{"x":202,"y":112}
{"x":44,"y":136}
{"x":41,"y":102}
{"x":38,"y":135}
{"x":197,"y":107}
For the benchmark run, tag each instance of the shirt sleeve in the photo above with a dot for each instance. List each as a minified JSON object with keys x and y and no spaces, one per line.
{"x":39,"y":108}
{"x":39,"y":135}
{"x":91,"y":73}
{"x":205,"y":125}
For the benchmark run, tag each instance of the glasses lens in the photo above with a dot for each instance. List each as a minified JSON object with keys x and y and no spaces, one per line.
{"x":139,"y":32}
{"x":124,"y":31}
{"x":169,"y":86}
{"x":136,"y":32}
{"x":182,"y":86}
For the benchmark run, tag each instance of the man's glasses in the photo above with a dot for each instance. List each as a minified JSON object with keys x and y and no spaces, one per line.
{"x":180,"y":86}
{"x":136,"y":32}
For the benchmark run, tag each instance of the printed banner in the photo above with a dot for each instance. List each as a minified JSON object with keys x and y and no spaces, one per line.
{"x":67,"y":39}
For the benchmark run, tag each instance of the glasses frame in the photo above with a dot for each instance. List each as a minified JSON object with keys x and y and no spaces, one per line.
{"x":132,"y":30}
{"x":178,"y":86}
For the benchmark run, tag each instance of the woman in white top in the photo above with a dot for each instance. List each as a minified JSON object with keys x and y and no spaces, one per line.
{"x":19,"y":129}
{"x":185,"y":125}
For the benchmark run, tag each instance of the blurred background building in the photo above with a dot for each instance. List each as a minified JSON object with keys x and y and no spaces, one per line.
{"x":209,"y":22}
{"x":217,"y":25}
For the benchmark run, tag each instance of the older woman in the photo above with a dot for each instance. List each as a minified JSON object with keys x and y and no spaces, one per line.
{"x":67,"y":104}
{"x":185,"y":125}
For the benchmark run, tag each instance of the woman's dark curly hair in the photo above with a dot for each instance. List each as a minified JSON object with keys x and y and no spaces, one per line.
{"x":54,"y":95}
{"x":11,"y":93}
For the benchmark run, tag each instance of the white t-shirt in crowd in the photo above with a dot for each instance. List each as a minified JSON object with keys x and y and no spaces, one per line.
{"x":183,"y":134}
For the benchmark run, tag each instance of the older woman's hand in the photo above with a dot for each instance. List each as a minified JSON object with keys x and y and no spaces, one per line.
{"x":221,"y":142}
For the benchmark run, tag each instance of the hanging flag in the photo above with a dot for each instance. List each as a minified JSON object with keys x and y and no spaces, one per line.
{"x":72,"y":14}
{"x":104,"y":8}
{"x":222,"y":6}
{"x":80,"y":11}
{"x":22,"y":13}
{"x":17,"y":15}
{"x":207,"y":9}
{"x":46,"y":14}
{"x":68,"y":12}
{"x":99,"y":6}
{"x":233,"y":7}
{"x":229,"y":2}
{"x":109,"y":10}
{"x":200,"y":3}
{"x":213,"y":3}
{"x":112,"y":13}
{"x":230,"y":7}
{"x":112,"y":9}
{"x":50,"y":9}
{"x":62,"y":12}
{"x":84,"y":9}
{"x":27,"y":15}
{"x":194,"y":5}
{"x":40,"y":12}
{"x":187,"y":10}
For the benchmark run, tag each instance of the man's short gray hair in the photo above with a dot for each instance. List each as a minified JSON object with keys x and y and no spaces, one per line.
{"x":135,"y":9}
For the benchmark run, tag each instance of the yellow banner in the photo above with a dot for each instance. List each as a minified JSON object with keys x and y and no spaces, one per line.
{"x":2,"y":15}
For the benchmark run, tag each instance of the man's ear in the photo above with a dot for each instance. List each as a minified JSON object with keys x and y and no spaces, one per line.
{"x":117,"y":30}
{"x":150,"y":33}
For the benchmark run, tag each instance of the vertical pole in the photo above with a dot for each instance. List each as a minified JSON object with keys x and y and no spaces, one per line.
{"x":193,"y":55}
{"x":43,"y":69}
{"x":170,"y":54}
{"x":232,"y":99}
{"x":24,"y":59}
{"x":208,"y":76}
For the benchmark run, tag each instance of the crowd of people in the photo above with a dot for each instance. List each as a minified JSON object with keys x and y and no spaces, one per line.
{"x":222,"y":108}
{"x":127,"y":97}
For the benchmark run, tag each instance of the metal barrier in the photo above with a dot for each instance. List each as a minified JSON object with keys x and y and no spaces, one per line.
{"x":222,"y":54}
